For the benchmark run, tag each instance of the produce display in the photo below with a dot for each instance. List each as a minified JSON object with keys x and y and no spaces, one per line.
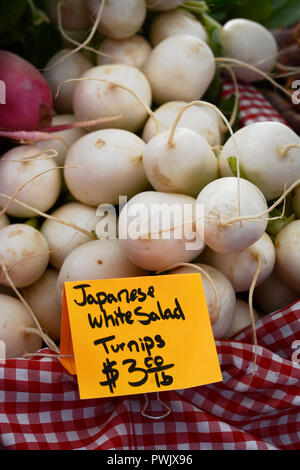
{"x":124,"y":110}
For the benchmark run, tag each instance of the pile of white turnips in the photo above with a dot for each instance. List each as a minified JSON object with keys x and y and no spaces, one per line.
{"x":143,"y":155}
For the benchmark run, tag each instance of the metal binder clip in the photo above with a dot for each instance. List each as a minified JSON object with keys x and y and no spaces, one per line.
{"x":161,"y":402}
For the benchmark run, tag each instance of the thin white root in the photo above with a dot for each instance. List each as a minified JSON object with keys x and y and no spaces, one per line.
{"x":270,"y":209}
{"x":88,"y":39}
{"x":47,"y":216}
{"x":213,"y":315}
{"x":216,"y":109}
{"x":28,"y":355}
{"x":39,"y":330}
{"x":227,"y":60}
{"x":251,"y":291}
{"x":110,"y":82}
{"x":76,"y":43}
{"x":13,"y":196}
{"x":237,"y":94}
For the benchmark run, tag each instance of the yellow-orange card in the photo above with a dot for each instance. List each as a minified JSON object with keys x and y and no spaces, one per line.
{"x":138,"y":335}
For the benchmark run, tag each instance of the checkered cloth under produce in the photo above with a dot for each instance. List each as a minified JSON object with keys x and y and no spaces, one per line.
{"x":40,"y":407}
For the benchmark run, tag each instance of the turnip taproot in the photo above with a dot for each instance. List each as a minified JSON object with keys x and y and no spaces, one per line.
{"x":174,"y":22}
{"x":57,"y":71}
{"x":201,"y":119}
{"x":28,"y":97}
{"x":14,"y":323}
{"x":269,"y":156}
{"x":226,"y":199}
{"x":225,"y":304}
{"x":185,"y":164}
{"x":43,"y":300}
{"x":184,"y":75}
{"x":132,"y":51}
{"x":287,"y":245}
{"x":119,"y":20}
{"x":99,"y":259}
{"x":62,"y":239}
{"x":156,"y":230}
{"x":97,"y":94}
{"x":110,"y":165}
{"x":22,"y":166}
{"x":240,"y":267}
{"x":24,"y":252}
{"x":274,"y":294}
{"x":252,"y":43}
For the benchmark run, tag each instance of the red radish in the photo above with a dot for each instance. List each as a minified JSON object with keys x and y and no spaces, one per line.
{"x":28,"y":95}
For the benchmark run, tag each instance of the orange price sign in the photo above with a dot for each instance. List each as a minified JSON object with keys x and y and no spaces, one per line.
{"x":138,"y":335}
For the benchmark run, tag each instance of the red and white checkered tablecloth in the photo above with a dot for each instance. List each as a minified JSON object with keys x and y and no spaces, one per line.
{"x":40,"y":407}
{"x":253,"y":105}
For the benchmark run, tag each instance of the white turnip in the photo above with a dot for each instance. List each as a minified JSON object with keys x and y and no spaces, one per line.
{"x":163,"y":5}
{"x":24,"y":253}
{"x":241,"y":318}
{"x":201,"y":119}
{"x":119,"y":20}
{"x":99,"y":259}
{"x":62,"y":239}
{"x":65,"y":138}
{"x":225,"y":200}
{"x":174,"y":22}
{"x":274,"y":294}
{"x":156,"y":230}
{"x":43,"y":300}
{"x":221,"y":308}
{"x":132,"y":51}
{"x":111,"y":165}
{"x":240,"y":267}
{"x":287,"y":245}
{"x":252,"y":43}
{"x":19,"y":170}
{"x":269,"y":156}
{"x":74,"y":14}
{"x":14,"y":321}
{"x":94,"y":97}
{"x":183,"y":165}
{"x":57,"y":71}
{"x":184,"y":75}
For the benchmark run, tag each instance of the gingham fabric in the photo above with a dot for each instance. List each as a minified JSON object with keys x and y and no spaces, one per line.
{"x":40,"y":407}
{"x":253,"y":106}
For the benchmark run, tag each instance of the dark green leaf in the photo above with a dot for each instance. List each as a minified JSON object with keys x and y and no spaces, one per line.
{"x":11,"y":13}
{"x":232,"y":162}
{"x":40,"y":43}
{"x":274,"y":226}
{"x":285,"y":13}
